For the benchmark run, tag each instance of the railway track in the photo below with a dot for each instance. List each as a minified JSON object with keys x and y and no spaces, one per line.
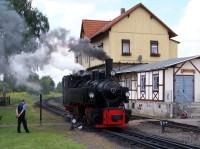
{"x":184,"y":127}
{"x":149,"y":142}
{"x":171,"y":124}
{"x":51,"y":107}
{"x":138,"y":139}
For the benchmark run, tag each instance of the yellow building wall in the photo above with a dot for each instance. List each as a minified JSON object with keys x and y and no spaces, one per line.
{"x":173,"y":46}
{"x":140,"y":28}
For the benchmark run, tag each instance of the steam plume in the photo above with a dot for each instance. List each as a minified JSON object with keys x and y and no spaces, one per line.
{"x":52,"y":47}
{"x":85,"y":47}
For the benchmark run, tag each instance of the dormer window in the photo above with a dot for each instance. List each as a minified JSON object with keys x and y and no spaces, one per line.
{"x":126,"y":47}
{"x":154,"y":48}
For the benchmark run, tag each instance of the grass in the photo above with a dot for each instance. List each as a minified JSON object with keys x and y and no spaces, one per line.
{"x":39,"y":138}
{"x":45,"y":137}
{"x":8,"y":112}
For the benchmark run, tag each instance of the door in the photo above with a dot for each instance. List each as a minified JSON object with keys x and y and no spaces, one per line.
{"x":184,"y":89}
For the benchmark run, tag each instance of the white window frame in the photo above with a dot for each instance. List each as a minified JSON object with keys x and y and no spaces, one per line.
{"x":155,"y":82}
{"x":143,"y":83}
{"x":154,"y":47}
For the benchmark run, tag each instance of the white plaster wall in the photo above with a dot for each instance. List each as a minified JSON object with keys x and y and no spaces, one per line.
{"x":196,"y":62}
{"x":138,"y":88}
{"x":151,"y":108}
{"x":168,"y":85}
{"x":161,"y":84}
{"x":148,"y":88}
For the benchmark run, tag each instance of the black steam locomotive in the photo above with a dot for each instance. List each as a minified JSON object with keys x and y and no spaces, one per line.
{"x":96,"y":99}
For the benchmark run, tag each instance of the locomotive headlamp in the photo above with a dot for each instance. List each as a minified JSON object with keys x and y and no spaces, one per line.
{"x":127,"y":94}
{"x":91,"y":94}
{"x":112,"y":73}
{"x":73,"y":120}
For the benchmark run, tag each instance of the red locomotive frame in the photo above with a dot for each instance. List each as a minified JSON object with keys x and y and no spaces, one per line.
{"x":112,"y":117}
{"x":108,"y":121}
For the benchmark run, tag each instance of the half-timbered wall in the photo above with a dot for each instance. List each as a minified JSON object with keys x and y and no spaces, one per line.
{"x":149,"y":93}
{"x":148,"y":101}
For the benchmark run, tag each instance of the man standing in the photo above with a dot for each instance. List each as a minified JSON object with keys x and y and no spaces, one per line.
{"x":21,"y":113}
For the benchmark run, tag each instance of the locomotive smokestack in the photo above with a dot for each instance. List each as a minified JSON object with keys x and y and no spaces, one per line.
{"x":108,"y":66}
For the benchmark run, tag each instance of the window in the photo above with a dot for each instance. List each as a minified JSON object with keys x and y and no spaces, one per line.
{"x":126,"y":47}
{"x":133,"y":105}
{"x":142,"y":82}
{"x":100,"y":45}
{"x":154,"y":48}
{"x":155,"y":82}
{"x":129,"y":84}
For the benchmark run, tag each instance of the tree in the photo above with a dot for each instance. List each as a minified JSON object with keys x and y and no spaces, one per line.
{"x":5,"y":87}
{"x":59,"y":87}
{"x":36,"y":21}
{"x":47,"y":84}
{"x":34,"y":77}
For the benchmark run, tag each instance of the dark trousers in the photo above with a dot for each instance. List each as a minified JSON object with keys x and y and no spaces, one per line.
{"x":24,"y":122}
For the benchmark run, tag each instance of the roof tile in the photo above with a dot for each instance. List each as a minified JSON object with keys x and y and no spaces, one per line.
{"x":91,"y":27}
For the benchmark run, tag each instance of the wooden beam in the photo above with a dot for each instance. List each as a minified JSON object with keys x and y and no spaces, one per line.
{"x":179,"y":68}
{"x":194,"y":67}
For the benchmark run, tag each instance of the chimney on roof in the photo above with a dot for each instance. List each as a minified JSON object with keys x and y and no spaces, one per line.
{"x":123,"y":11}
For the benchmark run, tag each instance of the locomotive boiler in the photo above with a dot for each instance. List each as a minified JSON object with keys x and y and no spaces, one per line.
{"x":95,"y":98}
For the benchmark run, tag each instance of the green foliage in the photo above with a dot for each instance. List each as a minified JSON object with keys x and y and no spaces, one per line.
{"x":34,"y":77}
{"x":59,"y":87}
{"x":47,"y":84}
{"x":1,"y":86}
{"x":8,"y":112}
{"x":51,"y":94}
{"x":5,"y":87}
{"x":36,"y":21}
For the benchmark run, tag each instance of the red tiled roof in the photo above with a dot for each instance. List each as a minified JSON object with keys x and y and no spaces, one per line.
{"x":117,"y":19}
{"x":91,"y":27}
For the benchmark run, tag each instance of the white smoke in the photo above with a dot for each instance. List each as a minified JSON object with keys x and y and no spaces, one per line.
{"x":52,"y":51}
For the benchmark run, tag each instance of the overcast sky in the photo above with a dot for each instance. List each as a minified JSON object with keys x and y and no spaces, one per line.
{"x":180,"y":15}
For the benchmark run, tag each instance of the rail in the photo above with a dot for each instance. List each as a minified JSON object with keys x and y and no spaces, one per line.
{"x":149,"y":142}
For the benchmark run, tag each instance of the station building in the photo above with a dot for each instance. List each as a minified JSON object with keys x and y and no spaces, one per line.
{"x":145,"y":59}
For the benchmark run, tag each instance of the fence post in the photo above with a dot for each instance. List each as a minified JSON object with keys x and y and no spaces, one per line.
{"x":40,"y":109}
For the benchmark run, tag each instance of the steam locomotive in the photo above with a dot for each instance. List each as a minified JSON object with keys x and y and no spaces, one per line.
{"x":95,"y":98}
